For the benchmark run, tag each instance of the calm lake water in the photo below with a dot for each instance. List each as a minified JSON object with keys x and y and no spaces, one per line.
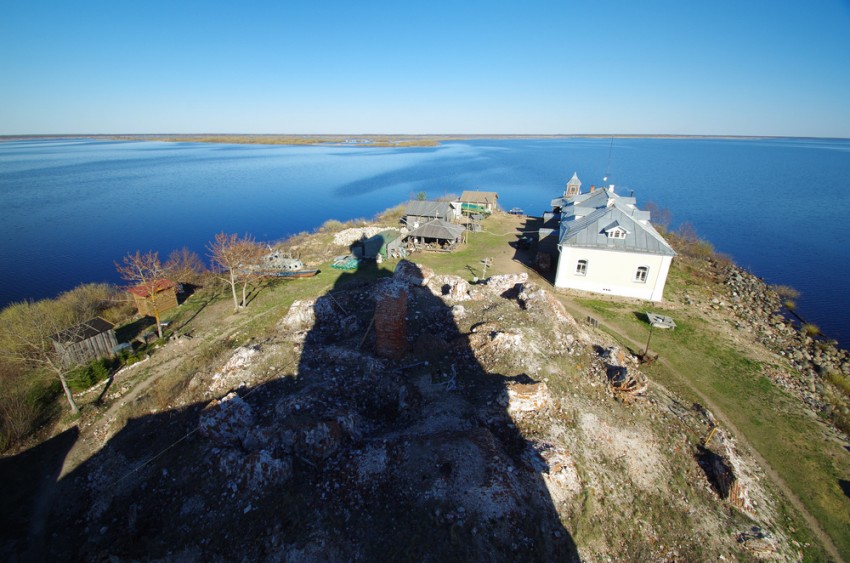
{"x":70,"y":208}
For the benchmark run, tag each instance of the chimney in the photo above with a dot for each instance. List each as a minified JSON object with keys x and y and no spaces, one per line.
{"x":611,"y":188}
{"x":592,"y":189}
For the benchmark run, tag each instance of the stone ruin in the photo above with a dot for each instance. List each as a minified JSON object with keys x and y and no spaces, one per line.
{"x":391,"y":321}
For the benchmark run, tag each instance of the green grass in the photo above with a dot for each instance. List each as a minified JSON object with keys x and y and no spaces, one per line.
{"x":466,"y":262}
{"x":775,"y":423}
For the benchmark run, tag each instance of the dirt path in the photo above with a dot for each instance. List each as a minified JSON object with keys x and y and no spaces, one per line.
{"x":581,"y":312}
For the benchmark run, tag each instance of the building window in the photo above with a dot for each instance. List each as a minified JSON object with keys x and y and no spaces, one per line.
{"x":581,"y":268}
{"x":640,"y":275}
{"x":617,"y":233}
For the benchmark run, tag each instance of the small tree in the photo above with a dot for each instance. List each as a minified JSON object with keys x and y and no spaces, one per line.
{"x":252,"y":253}
{"x":421,"y":196}
{"x":236,"y":260}
{"x":27,"y":333}
{"x":146,"y":272}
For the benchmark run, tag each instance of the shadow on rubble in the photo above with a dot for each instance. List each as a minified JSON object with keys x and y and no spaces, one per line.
{"x":391,"y":443}
{"x":28,"y":479}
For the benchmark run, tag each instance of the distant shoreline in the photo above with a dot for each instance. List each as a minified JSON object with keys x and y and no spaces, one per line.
{"x":376,"y":140}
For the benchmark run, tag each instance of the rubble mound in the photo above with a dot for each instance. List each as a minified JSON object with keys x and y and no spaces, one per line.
{"x":623,"y":379}
{"x":413,"y":274}
{"x":236,"y":372}
{"x":506,"y":284}
{"x":417,"y":427}
{"x":347,"y":237}
{"x":451,"y":289}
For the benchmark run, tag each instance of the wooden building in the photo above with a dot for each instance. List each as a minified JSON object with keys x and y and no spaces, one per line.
{"x":386,"y":243}
{"x":479,"y":202}
{"x":166,"y":297}
{"x":436,"y":235}
{"x":420,"y":212}
{"x":85,"y":342}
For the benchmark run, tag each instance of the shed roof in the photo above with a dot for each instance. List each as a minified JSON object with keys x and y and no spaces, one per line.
{"x":160,"y":285}
{"x":438,"y":229}
{"x":82,"y":331}
{"x":427,"y":208}
{"x":479,"y":197}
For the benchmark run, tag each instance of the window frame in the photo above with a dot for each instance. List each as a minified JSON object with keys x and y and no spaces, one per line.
{"x":581,"y":268}
{"x":641,"y":270}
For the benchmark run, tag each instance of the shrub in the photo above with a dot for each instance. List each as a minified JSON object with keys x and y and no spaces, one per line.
{"x":790,"y":304}
{"x":18,"y":416}
{"x":331,"y":226}
{"x":839,"y":381}
{"x":24,"y":406}
{"x":810,"y":329}
{"x":786,"y":291}
{"x":84,"y":377}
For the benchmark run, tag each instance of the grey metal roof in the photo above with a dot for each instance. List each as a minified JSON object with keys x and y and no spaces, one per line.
{"x":427,"y":208}
{"x":589,"y":232}
{"x":438,"y":229}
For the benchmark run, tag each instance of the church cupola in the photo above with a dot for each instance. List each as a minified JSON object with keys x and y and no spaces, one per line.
{"x":573,"y":187}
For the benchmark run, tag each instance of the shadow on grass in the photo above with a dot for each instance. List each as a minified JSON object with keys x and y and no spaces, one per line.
{"x":132,"y":331}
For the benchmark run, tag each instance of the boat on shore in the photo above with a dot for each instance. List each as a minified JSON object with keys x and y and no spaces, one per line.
{"x":291,"y":273}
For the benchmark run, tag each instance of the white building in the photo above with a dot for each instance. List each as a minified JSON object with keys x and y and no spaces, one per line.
{"x":607,"y":245}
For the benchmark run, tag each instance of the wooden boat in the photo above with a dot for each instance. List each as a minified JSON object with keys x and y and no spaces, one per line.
{"x":292,"y":273}
{"x":516,"y":211}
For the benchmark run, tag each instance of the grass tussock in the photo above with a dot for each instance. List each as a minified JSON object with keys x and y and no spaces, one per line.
{"x":811,"y":330}
{"x":785,"y":291}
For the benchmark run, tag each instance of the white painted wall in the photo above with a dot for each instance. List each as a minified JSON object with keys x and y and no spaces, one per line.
{"x":612,"y":272}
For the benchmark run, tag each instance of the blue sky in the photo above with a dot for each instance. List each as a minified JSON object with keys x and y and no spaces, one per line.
{"x":722,"y":67}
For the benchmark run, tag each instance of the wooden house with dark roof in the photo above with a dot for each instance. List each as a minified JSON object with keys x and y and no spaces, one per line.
{"x":85,"y":342}
{"x":165,"y":292}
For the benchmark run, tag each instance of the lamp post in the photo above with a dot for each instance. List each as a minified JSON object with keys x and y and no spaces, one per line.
{"x":646,"y":350}
{"x":661,"y":322}
{"x":487,"y":262}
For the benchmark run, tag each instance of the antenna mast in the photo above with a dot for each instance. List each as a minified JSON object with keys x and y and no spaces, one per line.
{"x":608,"y":166}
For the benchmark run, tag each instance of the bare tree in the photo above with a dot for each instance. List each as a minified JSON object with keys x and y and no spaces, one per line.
{"x":660,"y":216}
{"x":28,"y":332}
{"x":185,"y":266}
{"x":252,"y":273}
{"x":236,"y":260}
{"x":146,"y":272}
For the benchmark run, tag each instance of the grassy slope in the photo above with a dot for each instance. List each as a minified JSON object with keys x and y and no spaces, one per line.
{"x":788,"y":437}
{"x":775,"y":424}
